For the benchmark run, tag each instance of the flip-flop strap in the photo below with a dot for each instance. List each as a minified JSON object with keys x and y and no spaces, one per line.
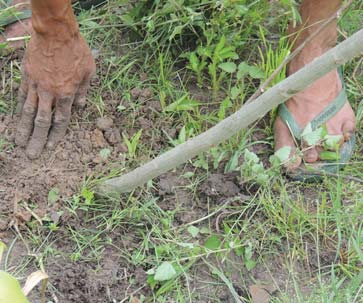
{"x":329,"y":111}
{"x":12,"y":15}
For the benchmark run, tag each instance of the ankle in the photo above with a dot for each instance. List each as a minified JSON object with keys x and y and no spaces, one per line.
{"x":54,"y":19}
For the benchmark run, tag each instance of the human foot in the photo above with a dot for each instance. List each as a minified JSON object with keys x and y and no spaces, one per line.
{"x":15,"y":32}
{"x":305,"y":106}
{"x":308,"y":104}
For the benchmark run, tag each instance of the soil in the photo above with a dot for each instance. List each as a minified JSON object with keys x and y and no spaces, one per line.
{"x":24,"y":194}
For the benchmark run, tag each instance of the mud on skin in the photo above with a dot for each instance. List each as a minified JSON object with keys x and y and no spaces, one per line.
{"x":56,"y":73}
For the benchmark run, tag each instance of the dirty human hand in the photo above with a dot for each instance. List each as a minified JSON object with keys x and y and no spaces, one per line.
{"x":56,"y":73}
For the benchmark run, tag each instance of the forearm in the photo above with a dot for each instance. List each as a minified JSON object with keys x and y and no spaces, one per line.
{"x":54,"y":18}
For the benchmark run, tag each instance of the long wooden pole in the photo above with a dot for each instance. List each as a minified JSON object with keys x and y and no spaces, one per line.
{"x":248,"y":114}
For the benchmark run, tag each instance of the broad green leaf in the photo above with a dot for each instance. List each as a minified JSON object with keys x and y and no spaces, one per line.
{"x":253,"y":71}
{"x":332,"y":142}
{"x":211,"y":69}
{"x":250,"y":264}
{"x":151,"y":281}
{"x":53,"y":195}
{"x":228,"y":67}
{"x":204,"y":51}
{"x":183,"y":103}
{"x":256,"y":73}
{"x":226,"y":103}
{"x":213,"y":243}
{"x":87,"y":195}
{"x":150,"y":25}
{"x":242,"y":9}
{"x":307,"y":130}
{"x":186,"y":245}
{"x":128,"y":20}
{"x":251,"y":157}
{"x":227,"y":53}
{"x":283,"y":153}
{"x":136,"y":139}
{"x":262,"y":178}
{"x":177,"y":31}
{"x":194,"y":61}
{"x":329,"y":156}
{"x":243,"y":69}
{"x":165,"y":272}
{"x":10,"y":290}
{"x":312,"y":137}
{"x":257,"y":168}
{"x":235,"y":91}
{"x":194,"y":231}
{"x":220,"y":45}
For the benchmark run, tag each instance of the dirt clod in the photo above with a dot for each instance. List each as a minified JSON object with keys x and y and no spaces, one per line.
{"x":219,"y":185}
{"x":112,"y":136}
{"x":98,"y":140}
{"x":104,"y":123}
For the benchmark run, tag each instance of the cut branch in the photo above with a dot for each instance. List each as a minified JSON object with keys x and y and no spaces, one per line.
{"x":248,"y":113}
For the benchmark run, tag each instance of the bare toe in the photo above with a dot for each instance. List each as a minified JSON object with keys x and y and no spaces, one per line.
{"x":283,"y":138}
{"x":311,"y":155}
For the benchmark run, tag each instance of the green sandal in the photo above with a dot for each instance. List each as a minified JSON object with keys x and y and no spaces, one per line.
{"x":9,"y":14}
{"x":314,"y":172}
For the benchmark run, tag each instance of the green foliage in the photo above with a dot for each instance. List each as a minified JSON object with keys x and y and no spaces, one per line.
{"x":253,"y":169}
{"x":53,"y":195}
{"x":10,"y":290}
{"x":213,"y":242}
{"x":105,"y":153}
{"x":132,"y":143}
{"x":320,"y":137}
{"x":182,"y":104}
{"x":87,"y":195}
{"x":165,"y":272}
{"x":272,"y":57}
{"x":182,"y":21}
{"x":194,"y":231}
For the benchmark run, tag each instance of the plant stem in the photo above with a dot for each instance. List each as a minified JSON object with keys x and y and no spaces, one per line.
{"x":248,"y":113}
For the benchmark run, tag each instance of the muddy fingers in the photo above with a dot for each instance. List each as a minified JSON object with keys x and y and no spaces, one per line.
{"x":58,"y":63}
{"x":22,"y":95}
{"x":28,"y":113}
{"x":80,"y":98}
{"x":61,"y":119}
{"x":41,"y":125}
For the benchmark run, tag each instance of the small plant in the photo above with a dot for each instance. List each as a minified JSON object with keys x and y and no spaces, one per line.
{"x":197,"y":65}
{"x":132,"y":143}
{"x":10,"y":290}
{"x":220,"y":57}
{"x":183,"y":136}
{"x":253,"y":169}
{"x":105,"y":153}
{"x":272,"y":58}
{"x":320,"y":137}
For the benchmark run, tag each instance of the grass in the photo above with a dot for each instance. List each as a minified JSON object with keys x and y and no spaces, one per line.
{"x":304,"y":241}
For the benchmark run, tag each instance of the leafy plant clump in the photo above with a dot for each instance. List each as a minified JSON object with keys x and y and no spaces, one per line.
{"x":10,"y":290}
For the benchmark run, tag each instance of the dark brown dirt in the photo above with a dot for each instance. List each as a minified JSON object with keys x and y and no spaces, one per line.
{"x":25,"y":185}
{"x":77,"y":157}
